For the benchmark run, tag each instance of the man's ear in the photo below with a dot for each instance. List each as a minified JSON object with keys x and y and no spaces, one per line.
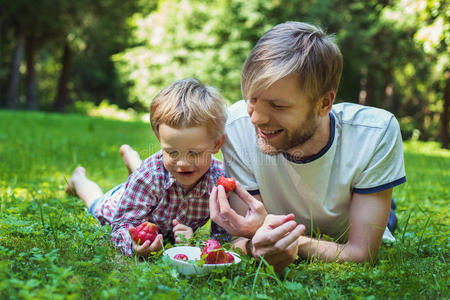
{"x":218,"y":143}
{"x":325,"y":103}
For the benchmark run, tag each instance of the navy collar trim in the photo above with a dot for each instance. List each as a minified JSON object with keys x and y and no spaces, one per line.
{"x":321,"y":152}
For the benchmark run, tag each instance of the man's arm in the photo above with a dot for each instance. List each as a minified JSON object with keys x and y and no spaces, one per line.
{"x":369,"y":214}
{"x":368,"y":218}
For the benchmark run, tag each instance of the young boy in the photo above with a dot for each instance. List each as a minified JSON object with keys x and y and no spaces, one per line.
{"x":171,"y":187}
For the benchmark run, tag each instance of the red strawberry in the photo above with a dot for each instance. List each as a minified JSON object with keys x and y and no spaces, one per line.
{"x":228,"y":183}
{"x":213,"y":253}
{"x":145,"y":232}
{"x":181,"y":257}
{"x":230,"y":258}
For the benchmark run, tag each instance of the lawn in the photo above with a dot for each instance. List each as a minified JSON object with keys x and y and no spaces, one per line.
{"x":51,"y":248}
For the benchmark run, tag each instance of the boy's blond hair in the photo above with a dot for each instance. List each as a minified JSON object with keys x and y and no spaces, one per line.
{"x":189,"y":103}
{"x":293,"y":48}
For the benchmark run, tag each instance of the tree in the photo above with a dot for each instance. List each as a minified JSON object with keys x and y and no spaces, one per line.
{"x":12,"y":97}
{"x":34,"y":22}
{"x":208,"y":40}
{"x":435,"y":38}
{"x":98,"y":30}
{"x":7,"y":21}
{"x":85,"y":31}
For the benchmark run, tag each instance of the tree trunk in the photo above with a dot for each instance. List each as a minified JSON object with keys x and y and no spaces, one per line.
{"x":61,"y":99}
{"x":373,"y":70}
{"x":31,"y":81}
{"x":388,"y":90}
{"x":370,"y":87}
{"x":12,"y":96}
{"x":444,"y":118}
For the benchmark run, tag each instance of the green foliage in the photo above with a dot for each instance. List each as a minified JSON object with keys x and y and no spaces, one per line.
{"x":208,"y":40}
{"x":384,"y":65}
{"x":93,"y":30}
{"x":51,"y":248}
{"x":125,"y":51}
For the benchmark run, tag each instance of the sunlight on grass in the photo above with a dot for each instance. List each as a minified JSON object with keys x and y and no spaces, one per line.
{"x":110,"y":111}
{"x":427,"y":148}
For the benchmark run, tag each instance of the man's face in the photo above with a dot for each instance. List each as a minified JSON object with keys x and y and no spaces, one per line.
{"x":283,"y":116}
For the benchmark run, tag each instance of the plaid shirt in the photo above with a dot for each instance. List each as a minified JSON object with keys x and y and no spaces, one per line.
{"x":152,"y":193}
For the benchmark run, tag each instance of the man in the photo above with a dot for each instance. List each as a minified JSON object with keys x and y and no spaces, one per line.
{"x":314,"y":166}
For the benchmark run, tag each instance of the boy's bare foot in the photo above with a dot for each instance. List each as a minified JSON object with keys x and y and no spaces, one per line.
{"x":78,"y":173}
{"x":130,"y":158}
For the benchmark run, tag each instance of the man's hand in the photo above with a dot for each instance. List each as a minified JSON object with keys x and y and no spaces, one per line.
{"x":182,"y":229}
{"x":277,"y":241}
{"x":146,"y":248}
{"x":226,"y":217}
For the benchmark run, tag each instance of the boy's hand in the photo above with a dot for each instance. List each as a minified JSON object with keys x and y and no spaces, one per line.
{"x":146,"y":248}
{"x":182,"y":229}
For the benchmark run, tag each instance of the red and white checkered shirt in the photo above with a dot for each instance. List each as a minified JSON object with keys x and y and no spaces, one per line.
{"x":152,"y":194}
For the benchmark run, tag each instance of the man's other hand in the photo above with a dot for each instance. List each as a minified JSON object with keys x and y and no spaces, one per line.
{"x":277,"y":240}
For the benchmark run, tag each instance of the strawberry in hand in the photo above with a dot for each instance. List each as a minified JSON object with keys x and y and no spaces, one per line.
{"x":229,"y":184}
{"x":145,"y":232}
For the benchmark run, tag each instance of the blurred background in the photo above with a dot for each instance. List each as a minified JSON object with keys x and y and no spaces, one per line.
{"x":79,"y":56}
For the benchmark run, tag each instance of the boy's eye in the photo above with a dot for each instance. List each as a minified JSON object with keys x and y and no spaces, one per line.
{"x":173,"y":154}
{"x":193,"y":154}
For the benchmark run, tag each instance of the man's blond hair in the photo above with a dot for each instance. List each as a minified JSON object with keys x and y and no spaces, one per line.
{"x":293,"y":48}
{"x":189,"y":103}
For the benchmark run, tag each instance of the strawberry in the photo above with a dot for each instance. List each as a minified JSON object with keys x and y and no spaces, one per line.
{"x":213,"y":253}
{"x":145,"y":232}
{"x":230,"y":258}
{"x":229,"y":184}
{"x":181,"y":257}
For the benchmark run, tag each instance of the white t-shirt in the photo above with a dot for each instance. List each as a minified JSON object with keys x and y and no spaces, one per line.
{"x":364,"y":155}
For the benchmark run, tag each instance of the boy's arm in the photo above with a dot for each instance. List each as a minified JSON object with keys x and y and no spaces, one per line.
{"x":132,"y":210}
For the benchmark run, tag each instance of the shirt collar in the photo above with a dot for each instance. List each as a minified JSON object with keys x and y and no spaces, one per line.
{"x":169,"y":179}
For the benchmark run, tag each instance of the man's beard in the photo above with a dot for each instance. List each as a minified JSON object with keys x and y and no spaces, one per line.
{"x":300,"y":136}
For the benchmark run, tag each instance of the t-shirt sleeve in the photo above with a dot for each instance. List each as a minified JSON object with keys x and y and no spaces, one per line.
{"x":386,"y":168}
{"x":237,"y":155}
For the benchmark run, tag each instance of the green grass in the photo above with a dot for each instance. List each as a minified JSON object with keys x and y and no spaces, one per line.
{"x":50,"y":247}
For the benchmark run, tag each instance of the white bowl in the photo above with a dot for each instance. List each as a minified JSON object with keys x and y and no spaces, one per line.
{"x":194,"y":254}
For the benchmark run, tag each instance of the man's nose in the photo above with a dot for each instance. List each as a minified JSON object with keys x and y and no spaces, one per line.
{"x":258,"y":113}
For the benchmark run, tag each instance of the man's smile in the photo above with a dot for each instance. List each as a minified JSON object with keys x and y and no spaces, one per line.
{"x":268,"y":134}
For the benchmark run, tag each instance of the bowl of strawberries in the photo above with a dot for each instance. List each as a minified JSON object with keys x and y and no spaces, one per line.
{"x":195,"y":260}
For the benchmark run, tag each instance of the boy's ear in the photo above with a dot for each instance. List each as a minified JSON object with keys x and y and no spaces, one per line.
{"x":218,"y":143}
{"x":325,"y":103}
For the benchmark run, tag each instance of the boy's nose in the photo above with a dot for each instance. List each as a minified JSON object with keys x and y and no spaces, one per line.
{"x":183,"y":163}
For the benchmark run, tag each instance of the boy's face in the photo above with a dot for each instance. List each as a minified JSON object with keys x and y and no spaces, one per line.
{"x":187,"y":153}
